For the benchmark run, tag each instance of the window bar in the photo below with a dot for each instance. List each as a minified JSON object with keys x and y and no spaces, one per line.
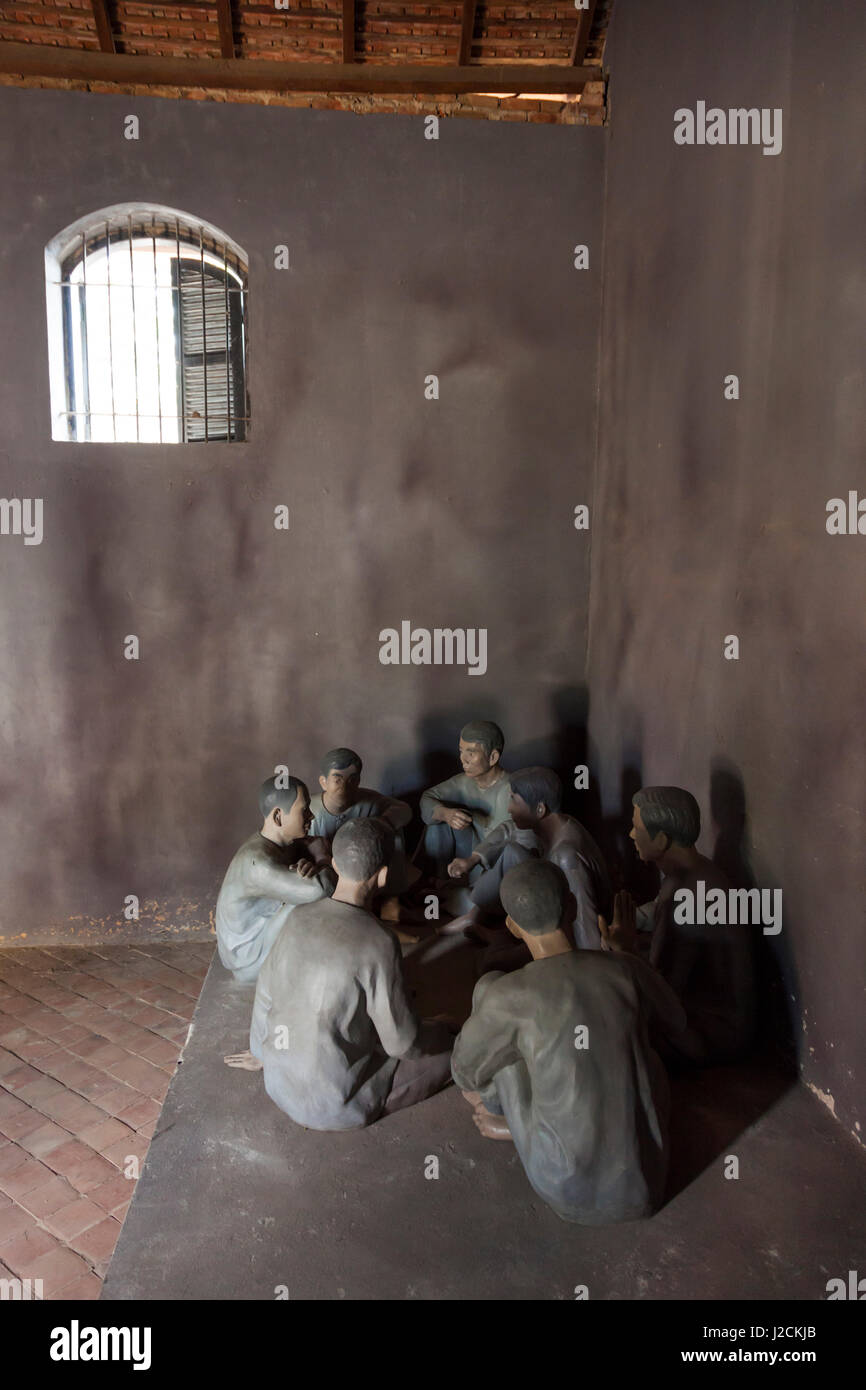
{"x":85,"y":370}
{"x":74,"y":331}
{"x":156,"y":311}
{"x":134,"y":336}
{"x":110,"y":336}
{"x":183,"y":438}
{"x":203,"y":332}
{"x":245,"y":405}
{"x":85,"y":385}
{"x":83,"y":311}
{"x":70,"y":415}
{"x":228,"y":352}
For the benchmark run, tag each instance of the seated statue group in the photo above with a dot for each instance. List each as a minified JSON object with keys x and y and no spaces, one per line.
{"x":582,"y":1000}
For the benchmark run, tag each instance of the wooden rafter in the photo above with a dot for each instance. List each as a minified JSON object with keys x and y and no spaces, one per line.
{"x":103,"y":26}
{"x":581,"y":38}
{"x":264,"y":75}
{"x":348,"y":31}
{"x":227,"y":28}
{"x":467,"y":30}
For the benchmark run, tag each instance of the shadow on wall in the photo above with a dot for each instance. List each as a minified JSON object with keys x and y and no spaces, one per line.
{"x":777,"y":987}
{"x":564,"y":749}
{"x":612,"y":831}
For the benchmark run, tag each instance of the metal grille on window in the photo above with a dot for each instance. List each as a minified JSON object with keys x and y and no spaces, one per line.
{"x":152,"y":320}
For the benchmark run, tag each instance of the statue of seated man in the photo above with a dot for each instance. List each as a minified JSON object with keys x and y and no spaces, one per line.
{"x":332,"y":1025}
{"x":710,"y":967}
{"x":557,"y":1057}
{"x":343,"y":798}
{"x":275,"y":870}
{"x":458,"y":813}
{"x":536,"y":827}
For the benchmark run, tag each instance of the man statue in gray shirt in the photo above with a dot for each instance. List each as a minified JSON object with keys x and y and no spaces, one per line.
{"x":459,"y":812}
{"x":332,"y":1026}
{"x":558,"y":1058}
{"x":274,"y":871}
{"x":343,"y":798}
{"x":711,"y":968}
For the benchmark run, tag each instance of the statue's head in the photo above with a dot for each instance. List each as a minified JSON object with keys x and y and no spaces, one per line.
{"x":536,"y":792}
{"x":663,"y":816}
{"x":536,"y":897}
{"x":340,"y":777}
{"x":360,"y":851}
{"x":285,"y":809}
{"x":481,"y":745}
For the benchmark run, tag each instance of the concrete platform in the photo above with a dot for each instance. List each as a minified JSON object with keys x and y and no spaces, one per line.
{"x":235,"y":1200}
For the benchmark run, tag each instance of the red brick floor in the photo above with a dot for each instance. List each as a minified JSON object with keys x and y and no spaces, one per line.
{"x":89,"y":1040}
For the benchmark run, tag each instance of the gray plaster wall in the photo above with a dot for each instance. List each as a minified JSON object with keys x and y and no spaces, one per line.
{"x":258,"y":647}
{"x":709,"y":515}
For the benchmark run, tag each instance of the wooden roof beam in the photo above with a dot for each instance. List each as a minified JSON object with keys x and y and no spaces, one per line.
{"x":581,"y":37}
{"x":348,"y":31}
{"x":265,"y":75}
{"x":467,"y":31}
{"x":103,"y":26}
{"x":226,"y":27}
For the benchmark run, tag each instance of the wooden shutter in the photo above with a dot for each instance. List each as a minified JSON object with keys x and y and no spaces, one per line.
{"x":209,"y":383}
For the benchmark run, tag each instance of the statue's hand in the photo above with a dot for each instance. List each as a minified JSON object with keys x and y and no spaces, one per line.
{"x":245,"y":1061}
{"x":457,"y":819}
{"x":458,"y":867}
{"x":306,"y":868}
{"x":621,"y":933}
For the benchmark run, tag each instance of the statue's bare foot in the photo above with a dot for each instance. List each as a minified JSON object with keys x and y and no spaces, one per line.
{"x":405,"y":938}
{"x":491,"y":1126}
{"x":449,"y":929}
{"x":467,"y":922}
{"x":245,"y":1061}
{"x":473,"y":1097}
{"x":393,"y":912}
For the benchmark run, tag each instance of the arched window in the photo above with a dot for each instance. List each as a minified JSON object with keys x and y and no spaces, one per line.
{"x":147,"y":329}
